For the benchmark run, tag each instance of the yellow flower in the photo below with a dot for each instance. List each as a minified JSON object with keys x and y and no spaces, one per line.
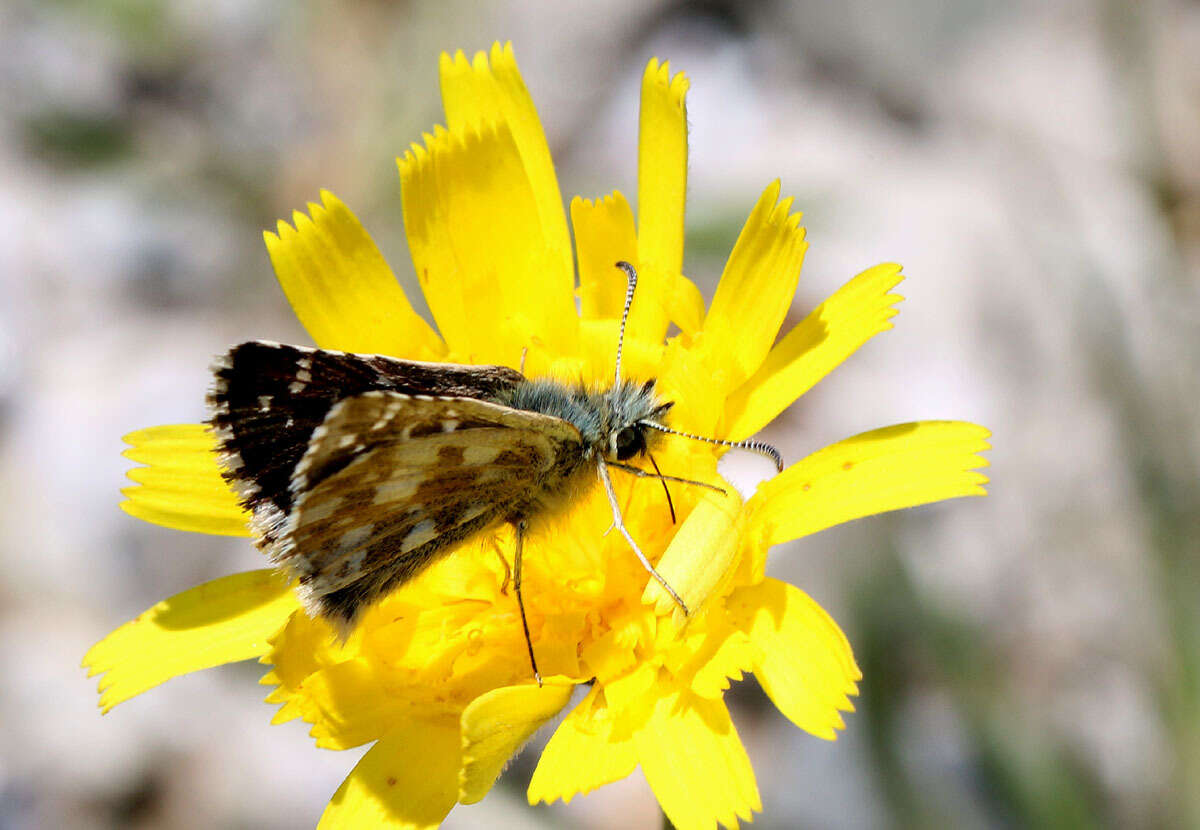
{"x":437,"y":674}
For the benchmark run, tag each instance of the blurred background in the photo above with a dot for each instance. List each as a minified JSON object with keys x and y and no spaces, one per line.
{"x":1030,"y":659}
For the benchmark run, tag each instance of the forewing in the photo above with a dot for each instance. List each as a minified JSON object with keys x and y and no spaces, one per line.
{"x":391,"y":482}
{"x":267,"y":400}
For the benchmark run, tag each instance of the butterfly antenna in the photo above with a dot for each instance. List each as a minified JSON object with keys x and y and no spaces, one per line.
{"x":666,"y":489}
{"x":632,"y":274}
{"x":753,"y":446}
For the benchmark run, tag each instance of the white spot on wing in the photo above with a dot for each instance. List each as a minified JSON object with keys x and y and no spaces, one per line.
{"x":396,"y":490}
{"x":476,"y":456}
{"x":354,"y":537}
{"x":424,"y":532}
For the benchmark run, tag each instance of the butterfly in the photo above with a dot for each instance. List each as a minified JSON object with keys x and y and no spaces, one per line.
{"x":360,"y":471}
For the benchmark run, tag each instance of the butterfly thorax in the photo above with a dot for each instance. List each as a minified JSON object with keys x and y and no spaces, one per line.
{"x":609,"y":420}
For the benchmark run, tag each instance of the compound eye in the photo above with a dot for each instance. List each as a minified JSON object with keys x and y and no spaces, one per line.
{"x":629,"y":442}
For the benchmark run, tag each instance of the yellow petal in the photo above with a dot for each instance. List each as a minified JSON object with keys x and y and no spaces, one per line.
{"x":708,"y":655}
{"x":222,"y":621}
{"x":341,"y":288}
{"x":700,"y":555}
{"x":302,"y":647}
{"x":695,"y":763}
{"x":494,"y":280}
{"x":857,"y":312}
{"x":347,"y":704}
{"x":685,"y":306}
{"x":630,"y":698}
{"x":181,"y":484}
{"x":497,"y":724}
{"x":805,"y":664}
{"x":687,"y":374}
{"x":662,"y":192}
{"x":756,"y":289}
{"x":885,"y":469}
{"x":558,"y":646}
{"x":299,"y":650}
{"x":490,"y":92}
{"x":609,"y":656}
{"x":604,"y":234}
{"x":407,"y":781}
{"x":598,"y":348}
{"x":583,"y":754}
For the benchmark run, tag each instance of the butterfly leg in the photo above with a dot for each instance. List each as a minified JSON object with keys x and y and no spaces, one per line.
{"x":507,"y":570}
{"x":521,"y":526}
{"x":619,"y":524}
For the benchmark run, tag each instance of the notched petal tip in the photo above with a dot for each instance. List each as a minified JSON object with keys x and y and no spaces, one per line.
{"x":825,"y":338}
{"x":503,"y":57}
{"x":756,"y":290}
{"x":179,"y":484}
{"x":659,"y":73}
{"x":222,"y":621}
{"x":301,"y":221}
{"x":340,"y":286}
{"x":804,"y":661}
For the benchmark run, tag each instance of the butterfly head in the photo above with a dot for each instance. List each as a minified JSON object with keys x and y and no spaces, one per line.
{"x":631,"y":406}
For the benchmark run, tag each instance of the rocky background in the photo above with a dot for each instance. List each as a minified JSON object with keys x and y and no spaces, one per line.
{"x":1032,"y":659}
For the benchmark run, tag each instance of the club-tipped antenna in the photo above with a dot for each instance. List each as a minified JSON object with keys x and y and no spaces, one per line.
{"x":632,"y":275}
{"x":753,"y":446}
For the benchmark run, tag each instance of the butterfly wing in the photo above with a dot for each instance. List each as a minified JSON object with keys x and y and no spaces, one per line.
{"x":267,"y":400}
{"x":391,"y":482}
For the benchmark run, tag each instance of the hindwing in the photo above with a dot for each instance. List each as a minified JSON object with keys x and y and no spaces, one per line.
{"x":391,"y":482}
{"x":267,"y":400}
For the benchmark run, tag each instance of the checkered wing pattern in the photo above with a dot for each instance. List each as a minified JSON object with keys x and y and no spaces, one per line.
{"x":267,"y":399}
{"x":390,"y":482}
